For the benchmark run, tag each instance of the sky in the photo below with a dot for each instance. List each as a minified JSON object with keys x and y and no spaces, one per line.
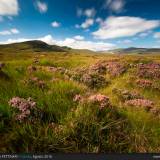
{"x":97,"y":25}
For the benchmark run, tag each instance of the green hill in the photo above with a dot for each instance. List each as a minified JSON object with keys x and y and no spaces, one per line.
{"x":134,"y":50}
{"x":35,"y":46}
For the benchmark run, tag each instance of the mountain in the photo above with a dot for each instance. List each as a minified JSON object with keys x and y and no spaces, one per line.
{"x":40,"y":46}
{"x":134,"y":50}
{"x":35,"y":46}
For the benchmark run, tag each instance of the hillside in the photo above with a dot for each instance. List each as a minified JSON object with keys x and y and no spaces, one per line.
{"x":134,"y":50}
{"x":35,"y":46}
{"x":40,"y":46}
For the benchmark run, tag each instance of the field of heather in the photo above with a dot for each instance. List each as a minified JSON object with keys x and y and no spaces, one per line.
{"x":79,"y":102}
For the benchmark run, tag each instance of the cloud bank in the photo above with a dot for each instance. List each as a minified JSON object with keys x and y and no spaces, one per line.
{"x":9,"y":7}
{"x":125,"y":26}
{"x":9,"y":32}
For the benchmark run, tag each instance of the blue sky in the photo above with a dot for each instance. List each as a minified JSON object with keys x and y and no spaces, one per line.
{"x":82,"y":24}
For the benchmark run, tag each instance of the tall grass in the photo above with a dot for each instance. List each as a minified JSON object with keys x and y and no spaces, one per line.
{"x":67,"y":126}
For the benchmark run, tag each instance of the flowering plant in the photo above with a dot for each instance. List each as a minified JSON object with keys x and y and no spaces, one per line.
{"x":24,"y":106}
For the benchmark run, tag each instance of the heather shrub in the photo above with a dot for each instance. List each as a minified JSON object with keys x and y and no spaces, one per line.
{"x":89,"y":77}
{"x":93,"y":80}
{"x":150,"y":70}
{"x":155,"y":111}
{"x":99,"y":68}
{"x":99,"y":100}
{"x":147,"y":104}
{"x":116,"y":68}
{"x":23,"y":106}
{"x":144,"y":83}
{"x":126,"y":95}
{"x":95,"y":128}
{"x":35,"y":81}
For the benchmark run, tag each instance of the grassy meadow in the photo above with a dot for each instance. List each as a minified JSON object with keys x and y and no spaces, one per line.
{"x":67,"y":117}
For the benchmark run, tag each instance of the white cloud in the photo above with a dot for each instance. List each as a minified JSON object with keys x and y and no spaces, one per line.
{"x":70,"y":42}
{"x":55,"y":24}
{"x":14,"y":31}
{"x":157,"y":35}
{"x":78,"y":37}
{"x":9,"y":7}
{"x":115,"y":27}
{"x":48,"y":39}
{"x":5,"y":32}
{"x":81,"y":44}
{"x":9,"y":41}
{"x":88,"y":22}
{"x":42,"y":7}
{"x":9,"y":32}
{"x":115,"y":5}
{"x":126,"y":41}
{"x":90,"y":12}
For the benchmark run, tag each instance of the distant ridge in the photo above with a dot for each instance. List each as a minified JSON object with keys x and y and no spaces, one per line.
{"x":40,"y":46}
{"x":36,"y":46}
{"x":134,"y":50}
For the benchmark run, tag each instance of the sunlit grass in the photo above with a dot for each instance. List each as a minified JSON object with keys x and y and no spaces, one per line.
{"x":78,"y":127}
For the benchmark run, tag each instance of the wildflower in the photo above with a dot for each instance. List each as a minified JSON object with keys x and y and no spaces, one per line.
{"x":91,"y":76}
{"x":77,"y":98}
{"x":100,"y":99}
{"x":115,"y":68}
{"x":99,"y":68}
{"x":127,"y":95}
{"x":24,"y":107}
{"x":150,"y":70}
{"x":155,"y":111}
{"x":140,"y":102}
{"x":37,"y":82}
{"x":144,"y":83}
